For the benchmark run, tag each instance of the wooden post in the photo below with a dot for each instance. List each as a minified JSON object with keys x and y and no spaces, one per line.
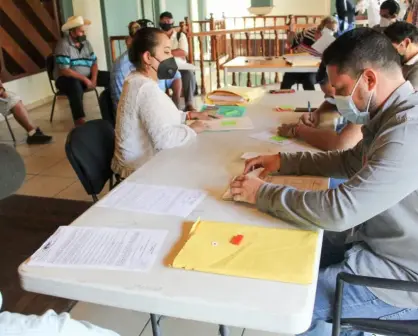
{"x":263,"y":75}
{"x":212,"y":41}
{"x":202,"y":68}
{"x":218,"y":78}
{"x":277,"y":53}
{"x":247,"y":35}
{"x":234,"y":82}
{"x":190,"y":39}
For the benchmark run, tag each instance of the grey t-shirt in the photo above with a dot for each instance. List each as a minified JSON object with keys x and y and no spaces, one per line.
{"x":410,"y":71}
{"x":68,"y":56}
{"x":380,"y":199}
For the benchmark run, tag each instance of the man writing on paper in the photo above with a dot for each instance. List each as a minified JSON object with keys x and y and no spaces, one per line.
{"x":375,"y":210}
{"x":12,"y":175}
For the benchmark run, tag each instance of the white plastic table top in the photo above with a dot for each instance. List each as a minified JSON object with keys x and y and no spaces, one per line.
{"x":208,"y":163}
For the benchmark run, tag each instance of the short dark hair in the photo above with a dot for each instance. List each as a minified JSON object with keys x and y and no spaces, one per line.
{"x":166,"y":15}
{"x":360,"y":48}
{"x":321,"y":75}
{"x":399,"y":31}
{"x":392,"y":6}
{"x":145,"y":39}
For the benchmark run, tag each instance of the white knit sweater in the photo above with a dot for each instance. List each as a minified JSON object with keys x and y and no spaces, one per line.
{"x":147,"y":121}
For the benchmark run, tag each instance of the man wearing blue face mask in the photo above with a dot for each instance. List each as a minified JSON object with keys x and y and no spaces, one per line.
{"x":371,"y":219}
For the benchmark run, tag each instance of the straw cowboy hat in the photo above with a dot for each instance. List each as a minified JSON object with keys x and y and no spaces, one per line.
{"x":74,"y":22}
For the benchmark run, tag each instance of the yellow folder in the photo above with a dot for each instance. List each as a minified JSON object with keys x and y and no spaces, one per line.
{"x":234,"y":95}
{"x":284,"y":255}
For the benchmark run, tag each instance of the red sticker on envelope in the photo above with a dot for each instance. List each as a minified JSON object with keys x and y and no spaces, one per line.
{"x":236,"y":240}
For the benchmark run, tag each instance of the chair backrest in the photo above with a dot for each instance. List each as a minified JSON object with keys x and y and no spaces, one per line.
{"x":50,"y":63}
{"x":89,"y":149}
{"x":106,"y":107}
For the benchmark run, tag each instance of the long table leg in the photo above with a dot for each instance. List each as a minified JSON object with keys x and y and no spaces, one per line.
{"x":223,"y":330}
{"x":155,"y":324}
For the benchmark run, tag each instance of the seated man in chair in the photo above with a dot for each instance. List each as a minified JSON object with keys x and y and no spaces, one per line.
{"x":10,"y":103}
{"x":123,"y":67}
{"x":76,"y":66}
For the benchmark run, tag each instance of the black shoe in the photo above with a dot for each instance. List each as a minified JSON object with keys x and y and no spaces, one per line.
{"x":39,"y":138}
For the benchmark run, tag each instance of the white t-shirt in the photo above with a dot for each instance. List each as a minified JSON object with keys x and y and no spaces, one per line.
{"x":147,"y":122}
{"x":181,"y":43}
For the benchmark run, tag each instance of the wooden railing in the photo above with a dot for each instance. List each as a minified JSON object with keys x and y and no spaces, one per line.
{"x":29,"y":31}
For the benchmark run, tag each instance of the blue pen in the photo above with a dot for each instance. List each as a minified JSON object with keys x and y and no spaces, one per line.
{"x":309,"y":111}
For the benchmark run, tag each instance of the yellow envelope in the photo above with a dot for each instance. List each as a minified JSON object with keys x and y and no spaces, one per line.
{"x":264,"y":253}
{"x":234,"y":95}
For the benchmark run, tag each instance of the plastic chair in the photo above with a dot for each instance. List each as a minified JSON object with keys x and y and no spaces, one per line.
{"x":384,"y":327}
{"x":106,"y":107}
{"x":50,"y":63}
{"x":89,"y":150}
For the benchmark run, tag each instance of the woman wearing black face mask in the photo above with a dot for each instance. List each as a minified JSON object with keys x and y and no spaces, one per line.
{"x":147,"y":119}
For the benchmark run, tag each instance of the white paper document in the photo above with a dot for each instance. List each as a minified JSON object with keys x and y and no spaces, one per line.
{"x":100,"y":248}
{"x":155,"y":199}
{"x":229,"y":124}
{"x":324,"y":41}
{"x":271,"y":137}
{"x":252,"y":155}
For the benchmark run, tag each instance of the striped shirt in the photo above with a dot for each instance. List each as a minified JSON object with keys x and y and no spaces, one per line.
{"x":306,"y":37}
{"x":68,"y":56}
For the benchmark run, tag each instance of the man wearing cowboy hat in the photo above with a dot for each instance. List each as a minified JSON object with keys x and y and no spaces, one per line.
{"x":76,"y":66}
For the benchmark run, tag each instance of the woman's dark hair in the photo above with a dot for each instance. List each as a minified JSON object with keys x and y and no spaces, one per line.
{"x":145,"y":39}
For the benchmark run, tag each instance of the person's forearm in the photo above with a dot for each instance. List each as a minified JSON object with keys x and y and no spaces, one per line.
{"x":179,"y":53}
{"x":324,"y":139}
{"x":94,"y":72}
{"x":341,"y":164}
{"x":71,"y":73}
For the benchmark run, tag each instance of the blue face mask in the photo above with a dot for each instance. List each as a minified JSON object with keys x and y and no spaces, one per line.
{"x":349,"y":110}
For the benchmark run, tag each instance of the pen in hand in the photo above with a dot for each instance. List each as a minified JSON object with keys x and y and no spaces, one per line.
{"x":309,"y":110}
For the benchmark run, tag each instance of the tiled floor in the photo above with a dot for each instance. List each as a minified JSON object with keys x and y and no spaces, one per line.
{"x":50,"y":175}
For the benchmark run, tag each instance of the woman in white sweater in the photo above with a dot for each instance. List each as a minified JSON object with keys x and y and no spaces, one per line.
{"x":147,"y":119}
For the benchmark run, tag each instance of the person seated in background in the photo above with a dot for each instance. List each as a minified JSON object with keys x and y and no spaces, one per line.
{"x":371,"y":219}
{"x":389,"y":11}
{"x":180,"y":50}
{"x":307,"y":38}
{"x":147,"y":120}
{"x":123,"y":67}
{"x":344,"y":135}
{"x":76,"y":66}
{"x":12,"y":175}
{"x":404,"y":37}
{"x":10,"y":103}
{"x":345,"y":9}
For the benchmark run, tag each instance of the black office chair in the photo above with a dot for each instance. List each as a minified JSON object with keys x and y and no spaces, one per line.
{"x":106,"y":107}
{"x":384,"y":327}
{"x":50,"y":63}
{"x":89,"y":149}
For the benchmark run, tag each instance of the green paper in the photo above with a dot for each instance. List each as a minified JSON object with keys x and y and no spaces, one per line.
{"x":278,"y":138}
{"x":228,"y":122}
{"x":286,"y":107}
{"x":225,"y":111}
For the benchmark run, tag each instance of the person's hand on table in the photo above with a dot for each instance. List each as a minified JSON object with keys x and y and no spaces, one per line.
{"x":310,"y":119}
{"x":287,"y":130}
{"x":244,"y":188}
{"x":199,"y":126}
{"x":201,"y":115}
{"x":270,"y":163}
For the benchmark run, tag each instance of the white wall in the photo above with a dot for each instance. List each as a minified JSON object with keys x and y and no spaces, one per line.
{"x":301,"y":7}
{"x":34,"y":90}
{"x":90,"y":9}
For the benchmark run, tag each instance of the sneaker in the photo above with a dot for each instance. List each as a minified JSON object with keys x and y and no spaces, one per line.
{"x":39,"y":138}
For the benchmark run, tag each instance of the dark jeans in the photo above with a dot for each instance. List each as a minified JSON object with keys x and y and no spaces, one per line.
{"x":188,"y":81}
{"x":74,"y":89}
{"x":307,"y":79}
{"x":343,"y":12}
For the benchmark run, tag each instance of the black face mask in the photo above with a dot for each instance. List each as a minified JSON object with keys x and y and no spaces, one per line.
{"x":167,"y":68}
{"x":81,"y":38}
{"x":166,"y":26}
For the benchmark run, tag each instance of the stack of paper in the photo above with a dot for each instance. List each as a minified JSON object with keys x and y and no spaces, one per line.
{"x":250,"y":251}
{"x":229,"y":124}
{"x":235,"y":95}
{"x":100,"y":248}
{"x":323,"y":42}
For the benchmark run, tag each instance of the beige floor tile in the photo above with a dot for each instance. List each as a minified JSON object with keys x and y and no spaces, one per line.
{"x":26,"y":150}
{"x":61,"y":169}
{"x":76,"y":192}
{"x":29,"y":176}
{"x":35,"y":164}
{"x":54,"y":150}
{"x":45,"y":186}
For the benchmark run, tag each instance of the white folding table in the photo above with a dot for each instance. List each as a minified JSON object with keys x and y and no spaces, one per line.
{"x":208,"y":163}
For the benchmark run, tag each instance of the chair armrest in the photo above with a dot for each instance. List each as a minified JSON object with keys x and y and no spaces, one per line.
{"x":358,"y":280}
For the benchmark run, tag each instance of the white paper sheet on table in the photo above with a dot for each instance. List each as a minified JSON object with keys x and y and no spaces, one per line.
{"x":100,"y":248}
{"x":229,"y":124}
{"x":155,"y":199}
{"x":268,"y":137}
{"x":251,"y":155}
{"x":323,"y":42}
